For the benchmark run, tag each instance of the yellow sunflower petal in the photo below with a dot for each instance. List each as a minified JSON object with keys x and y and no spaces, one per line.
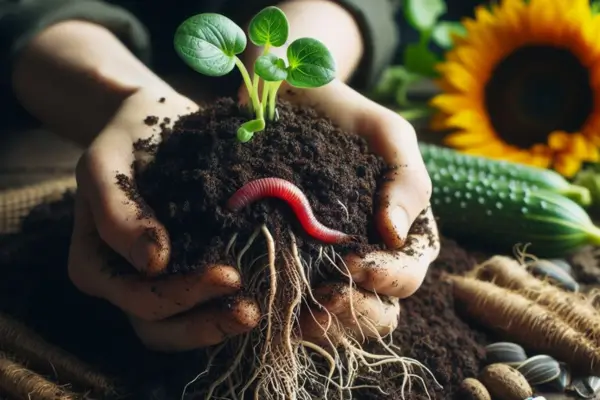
{"x":467,"y":119}
{"x":558,"y":140}
{"x":458,"y":76}
{"x":451,"y":102}
{"x":494,"y":149}
{"x":567,"y":166}
{"x":463,"y":139}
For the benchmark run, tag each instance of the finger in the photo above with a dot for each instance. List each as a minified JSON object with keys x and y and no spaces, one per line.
{"x":353,"y":311}
{"x":207,"y":326}
{"x":399,"y":273}
{"x":406,"y":188}
{"x":148,"y":300}
{"x":122,"y":219}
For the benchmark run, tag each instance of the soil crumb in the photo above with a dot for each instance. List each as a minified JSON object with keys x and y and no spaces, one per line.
{"x":35,"y":288}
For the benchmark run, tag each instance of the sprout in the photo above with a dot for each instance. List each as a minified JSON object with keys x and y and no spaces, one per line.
{"x":210,"y":44}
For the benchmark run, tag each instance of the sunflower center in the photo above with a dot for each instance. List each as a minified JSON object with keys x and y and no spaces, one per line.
{"x":537,"y":90}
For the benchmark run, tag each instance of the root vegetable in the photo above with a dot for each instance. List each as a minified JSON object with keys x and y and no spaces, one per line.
{"x":526,"y":322}
{"x":573,"y":308}
{"x":17,"y":339}
{"x":290,"y":193}
{"x":24,"y":384}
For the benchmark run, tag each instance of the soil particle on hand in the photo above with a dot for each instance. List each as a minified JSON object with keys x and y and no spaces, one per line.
{"x":151,"y":120}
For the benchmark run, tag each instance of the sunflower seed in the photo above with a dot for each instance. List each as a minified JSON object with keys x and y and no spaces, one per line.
{"x":505,"y":353}
{"x":540,"y":369}
{"x":587,"y":387}
{"x":562,"y":381}
{"x":556,"y":274}
{"x":562,"y":264}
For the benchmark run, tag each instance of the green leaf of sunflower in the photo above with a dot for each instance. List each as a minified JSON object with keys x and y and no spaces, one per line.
{"x":443,"y":32}
{"x":423,"y":14}
{"x":420,"y":60}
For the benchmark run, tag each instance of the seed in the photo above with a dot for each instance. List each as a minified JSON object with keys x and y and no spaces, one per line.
{"x":586,"y":387}
{"x":562,"y":381}
{"x":555,"y":274}
{"x":505,"y":353}
{"x":540,"y":369}
{"x":562,"y":264}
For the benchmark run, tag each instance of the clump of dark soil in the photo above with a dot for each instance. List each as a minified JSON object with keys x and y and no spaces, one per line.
{"x":199,"y":165}
{"x":35,"y":287}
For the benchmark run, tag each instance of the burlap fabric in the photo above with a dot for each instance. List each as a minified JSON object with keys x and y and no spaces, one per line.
{"x":17,"y":203}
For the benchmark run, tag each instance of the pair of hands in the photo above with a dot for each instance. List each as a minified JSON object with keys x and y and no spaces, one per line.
{"x":173,"y":314}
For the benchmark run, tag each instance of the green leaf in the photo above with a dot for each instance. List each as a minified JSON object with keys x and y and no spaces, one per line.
{"x":423,"y":14}
{"x":209,"y":43}
{"x":310,"y":64}
{"x":420,"y":60}
{"x":443,"y":31}
{"x":595,"y":6}
{"x":271,"y":68}
{"x":269,"y":27}
{"x":394,"y":84}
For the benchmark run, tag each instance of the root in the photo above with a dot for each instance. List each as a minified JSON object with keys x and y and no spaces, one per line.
{"x":24,"y":384}
{"x":17,"y":339}
{"x":275,"y":361}
{"x":573,"y":308}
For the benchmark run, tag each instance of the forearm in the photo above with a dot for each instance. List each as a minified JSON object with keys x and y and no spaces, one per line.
{"x":74,"y":75}
{"x":323,"y":20}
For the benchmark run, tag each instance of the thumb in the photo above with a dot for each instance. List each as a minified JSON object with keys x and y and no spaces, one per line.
{"x":406,"y":188}
{"x":123,"y":220}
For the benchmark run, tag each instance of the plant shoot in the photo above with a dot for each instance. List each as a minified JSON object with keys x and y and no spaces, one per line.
{"x":211,"y":43}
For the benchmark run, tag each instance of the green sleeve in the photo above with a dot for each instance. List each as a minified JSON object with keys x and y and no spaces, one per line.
{"x":21,"y":20}
{"x":376,"y":19}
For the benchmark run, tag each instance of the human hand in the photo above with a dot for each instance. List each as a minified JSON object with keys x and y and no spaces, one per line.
{"x":103,"y":213}
{"x":404,"y":218}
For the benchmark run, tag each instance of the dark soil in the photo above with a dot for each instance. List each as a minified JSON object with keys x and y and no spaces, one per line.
{"x":36,"y":289}
{"x":199,"y":164}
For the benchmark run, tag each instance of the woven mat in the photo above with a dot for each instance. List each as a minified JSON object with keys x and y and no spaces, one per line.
{"x":15,"y":204}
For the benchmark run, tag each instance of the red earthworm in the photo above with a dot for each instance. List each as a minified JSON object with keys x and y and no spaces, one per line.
{"x":291,"y":194}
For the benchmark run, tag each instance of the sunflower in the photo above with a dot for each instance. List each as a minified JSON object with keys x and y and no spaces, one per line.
{"x":523,"y":84}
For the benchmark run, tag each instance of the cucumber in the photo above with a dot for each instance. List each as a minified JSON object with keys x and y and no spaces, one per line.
{"x":436,"y":157}
{"x":499,"y":216}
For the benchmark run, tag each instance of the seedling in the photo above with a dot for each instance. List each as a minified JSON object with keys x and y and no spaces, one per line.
{"x":210,"y":44}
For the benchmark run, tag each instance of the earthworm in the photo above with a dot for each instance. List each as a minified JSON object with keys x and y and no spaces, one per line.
{"x":291,"y":194}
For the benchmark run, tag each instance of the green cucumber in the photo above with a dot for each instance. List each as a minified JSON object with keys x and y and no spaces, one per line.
{"x":499,"y":216}
{"x":436,"y":157}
